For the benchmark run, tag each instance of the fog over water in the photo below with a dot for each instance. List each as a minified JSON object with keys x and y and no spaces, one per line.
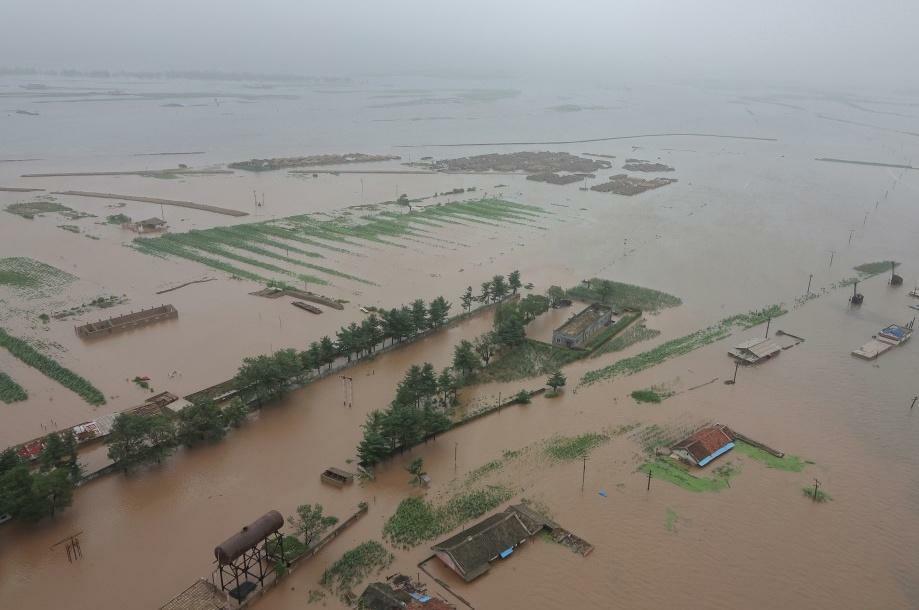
{"x":842,"y":44}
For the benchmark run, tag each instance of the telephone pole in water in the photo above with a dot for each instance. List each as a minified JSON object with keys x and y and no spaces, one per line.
{"x":583,"y":472}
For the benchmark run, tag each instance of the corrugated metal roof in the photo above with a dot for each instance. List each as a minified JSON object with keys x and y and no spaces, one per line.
{"x":706,"y":442}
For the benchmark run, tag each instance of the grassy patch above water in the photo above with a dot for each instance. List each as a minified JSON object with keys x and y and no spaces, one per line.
{"x":654,"y":395}
{"x":871,"y":269}
{"x":484,"y":470}
{"x":354,"y":566}
{"x":533,"y":358}
{"x":791,"y":463}
{"x":682,"y":345}
{"x":818,"y":496}
{"x":611,"y":331}
{"x":529,"y":359}
{"x":417,"y":520}
{"x":629,"y":337}
{"x":574,"y":447}
{"x":30,"y":275}
{"x":671,"y":519}
{"x":678,"y":474}
{"x":623,"y":295}
{"x":10,"y":391}
{"x":293,"y":548}
{"x":51,"y":368}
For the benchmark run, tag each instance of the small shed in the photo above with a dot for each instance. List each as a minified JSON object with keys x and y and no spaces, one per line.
{"x":380,"y":596}
{"x":336,"y":476}
{"x":149,"y":225}
{"x":755,"y":351}
{"x":584,"y":325}
{"x":704,"y":445}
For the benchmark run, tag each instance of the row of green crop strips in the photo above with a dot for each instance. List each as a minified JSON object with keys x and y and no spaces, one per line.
{"x":218,"y":246}
{"x":51,"y":368}
{"x":10,"y":391}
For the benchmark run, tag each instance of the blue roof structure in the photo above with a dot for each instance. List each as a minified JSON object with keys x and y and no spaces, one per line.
{"x":711,"y":457}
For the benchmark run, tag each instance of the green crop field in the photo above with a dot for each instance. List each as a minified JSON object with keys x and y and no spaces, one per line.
{"x":51,"y":368}
{"x":626,"y":296}
{"x":10,"y":391}
{"x":30,"y":276}
{"x":275,"y":249}
{"x":682,"y":345}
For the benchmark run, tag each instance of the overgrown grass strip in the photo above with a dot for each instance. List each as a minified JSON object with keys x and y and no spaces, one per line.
{"x":790,"y":463}
{"x":681,"y":345}
{"x":417,"y":520}
{"x":10,"y":391}
{"x":51,"y":368}
{"x":674,"y":472}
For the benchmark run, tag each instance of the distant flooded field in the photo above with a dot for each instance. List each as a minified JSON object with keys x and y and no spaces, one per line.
{"x":752,"y":220}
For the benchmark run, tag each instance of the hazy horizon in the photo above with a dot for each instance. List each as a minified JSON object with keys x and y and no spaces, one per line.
{"x":819,"y":44}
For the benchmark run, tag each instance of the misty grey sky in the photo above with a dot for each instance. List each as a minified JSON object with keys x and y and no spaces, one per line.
{"x":825,"y":42}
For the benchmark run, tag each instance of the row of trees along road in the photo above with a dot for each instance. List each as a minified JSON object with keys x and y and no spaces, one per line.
{"x":269,"y":376}
{"x":32,"y":494}
{"x":492,"y":291}
{"x":140,"y":439}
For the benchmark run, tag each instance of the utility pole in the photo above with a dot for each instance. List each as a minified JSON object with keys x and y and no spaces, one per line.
{"x":851,"y":233}
{"x":583,"y":472}
{"x":348,"y":390}
{"x":865,"y":222}
{"x":455,"y":448}
{"x":832,"y":256}
{"x":809,"y":280}
{"x":649,"y":478}
{"x":734,"y":380}
{"x":768,"y":322}
{"x":816,"y":487}
{"x":915,"y":400}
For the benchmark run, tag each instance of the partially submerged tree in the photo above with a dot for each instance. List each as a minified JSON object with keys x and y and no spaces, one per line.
{"x":136,"y":439}
{"x":467,"y":299}
{"x":513,"y":281}
{"x":485,"y":346}
{"x":556,"y":380}
{"x":235,"y":413}
{"x":555,"y":294}
{"x":201,"y":422}
{"x":464,"y":358}
{"x":416,"y":469}
{"x":438,"y":311}
{"x":310,"y":523}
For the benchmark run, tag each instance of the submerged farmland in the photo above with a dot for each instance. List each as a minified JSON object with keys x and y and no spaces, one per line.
{"x":286,"y":248}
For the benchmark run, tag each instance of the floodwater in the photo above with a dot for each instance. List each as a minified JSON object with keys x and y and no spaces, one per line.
{"x":745,"y":226}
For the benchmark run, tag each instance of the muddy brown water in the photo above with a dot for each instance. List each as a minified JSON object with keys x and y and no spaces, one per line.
{"x":743,"y":228}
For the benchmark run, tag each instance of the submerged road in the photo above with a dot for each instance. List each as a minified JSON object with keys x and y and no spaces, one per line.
{"x":645,"y":135}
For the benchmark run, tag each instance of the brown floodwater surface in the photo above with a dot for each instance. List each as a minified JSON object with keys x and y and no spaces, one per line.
{"x":745,"y":226}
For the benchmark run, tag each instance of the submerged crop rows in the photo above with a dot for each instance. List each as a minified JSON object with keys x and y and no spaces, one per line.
{"x":289,"y":247}
{"x":51,"y":368}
